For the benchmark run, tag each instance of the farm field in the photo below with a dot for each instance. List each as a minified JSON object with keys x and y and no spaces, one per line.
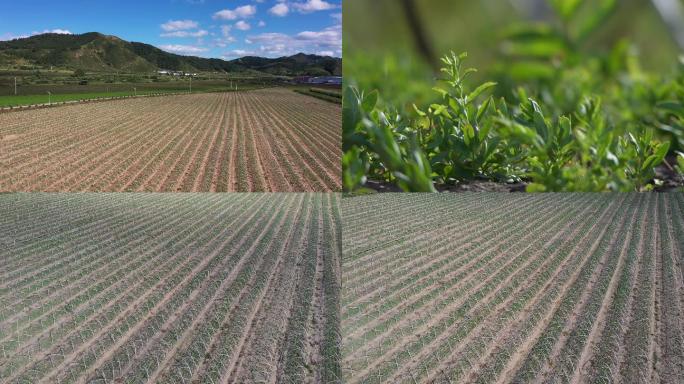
{"x":262,"y":140}
{"x":522,"y":288}
{"x":169,"y":288}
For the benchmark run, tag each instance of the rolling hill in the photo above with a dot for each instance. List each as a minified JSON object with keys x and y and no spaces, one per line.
{"x":94,"y":51}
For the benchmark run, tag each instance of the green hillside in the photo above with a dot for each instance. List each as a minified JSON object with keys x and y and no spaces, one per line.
{"x":101,"y":53}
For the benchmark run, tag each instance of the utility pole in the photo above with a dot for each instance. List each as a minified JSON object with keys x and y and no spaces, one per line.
{"x":49,"y":98}
{"x":190,"y":84}
{"x":15,"y":85}
{"x":135,"y":91}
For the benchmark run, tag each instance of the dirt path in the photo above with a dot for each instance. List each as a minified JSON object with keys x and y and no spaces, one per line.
{"x":234,"y":369}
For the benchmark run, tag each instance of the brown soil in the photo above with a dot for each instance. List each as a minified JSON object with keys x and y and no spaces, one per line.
{"x":165,"y":143}
{"x":209,"y":272}
{"x":475,"y":328}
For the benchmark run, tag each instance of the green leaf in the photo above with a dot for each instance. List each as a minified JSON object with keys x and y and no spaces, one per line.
{"x":351,"y":112}
{"x":672,"y":106}
{"x":655,"y":159}
{"x":540,"y":122}
{"x":438,"y":109}
{"x":468,"y":133}
{"x":482,"y":109}
{"x":565,"y":124}
{"x":535,"y":187}
{"x":530,"y":70}
{"x":634,"y":141}
{"x":566,"y":8}
{"x":474,"y":94}
{"x":596,"y":18}
{"x":680,"y":162}
{"x":441,"y":91}
{"x":612,"y":158}
{"x":467,"y":72}
{"x":370,"y":101}
{"x":530,"y":31}
{"x":484,"y":132}
{"x":353,"y":170}
{"x":543,"y":48}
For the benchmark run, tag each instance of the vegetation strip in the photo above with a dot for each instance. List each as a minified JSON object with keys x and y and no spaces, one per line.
{"x":173,"y":288}
{"x":508,"y":288}
{"x":261,"y":140}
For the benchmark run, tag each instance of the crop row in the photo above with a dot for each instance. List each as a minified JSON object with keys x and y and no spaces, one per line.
{"x":497,"y":288}
{"x":172,"y":288}
{"x":264,"y":140}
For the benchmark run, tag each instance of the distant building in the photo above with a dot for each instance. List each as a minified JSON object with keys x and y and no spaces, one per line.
{"x":302,"y":79}
{"x":334,"y":80}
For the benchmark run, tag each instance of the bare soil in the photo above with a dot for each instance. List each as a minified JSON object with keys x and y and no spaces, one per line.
{"x":187,"y":296}
{"x":530,"y":296}
{"x":263,"y":140}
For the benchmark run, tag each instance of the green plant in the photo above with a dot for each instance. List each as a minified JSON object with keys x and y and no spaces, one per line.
{"x":575,"y":144}
{"x":456,"y":132}
{"x":680,"y":165}
{"x":381,"y":147}
{"x":643,"y":154}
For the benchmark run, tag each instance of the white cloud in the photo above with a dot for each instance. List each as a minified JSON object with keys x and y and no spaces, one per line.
{"x":261,"y":23}
{"x":179,"y":25}
{"x":325,"y":53}
{"x":243,"y":25}
{"x":239,"y":53}
{"x":337,"y":16}
{"x":280,"y":10}
{"x":198,"y":33}
{"x":10,"y":36}
{"x":58,"y":31}
{"x":242,"y":12}
{"x":331,"y":36}
{"x":328,"y":40}
{"x":226,"y":39}
{"x":184,"y":49}
{"x":326,"y":36}
{"x":313,"y":6}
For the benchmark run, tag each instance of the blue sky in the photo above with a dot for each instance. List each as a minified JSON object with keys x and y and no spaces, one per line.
{"x":209,"y":28}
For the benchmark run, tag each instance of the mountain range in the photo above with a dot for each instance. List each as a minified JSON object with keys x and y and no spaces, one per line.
{"x":97,"y":52}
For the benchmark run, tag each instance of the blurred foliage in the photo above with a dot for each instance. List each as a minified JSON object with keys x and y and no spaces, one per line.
{"x":573,"y":110}
{"x":380,"y":52}
{"x":468,"y":135}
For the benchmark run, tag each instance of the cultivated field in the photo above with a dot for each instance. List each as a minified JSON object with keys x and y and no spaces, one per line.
{"x":169,"y":288}
{"x":262,"y":140}
{"x":498,"y":288}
